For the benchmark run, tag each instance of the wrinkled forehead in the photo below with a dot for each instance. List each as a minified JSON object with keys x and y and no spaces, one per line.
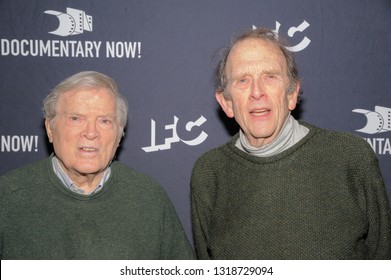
{"x":84,"y":96}
{"x":255,"y":53}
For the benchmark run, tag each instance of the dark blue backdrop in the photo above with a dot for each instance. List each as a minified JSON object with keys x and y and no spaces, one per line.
{"x":159,"y":52}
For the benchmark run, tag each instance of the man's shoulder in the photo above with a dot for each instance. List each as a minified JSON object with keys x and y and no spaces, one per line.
{"x":215,"y":158}
{"x":344,"y":140}
{"x":216,"y":152}
{"x":26,"y":171}
{"x":134,"y":179}
{"x":129,"y":173}
{"x":23,"y":177}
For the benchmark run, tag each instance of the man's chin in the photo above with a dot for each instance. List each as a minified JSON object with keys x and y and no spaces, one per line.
{"x":89,"y":170}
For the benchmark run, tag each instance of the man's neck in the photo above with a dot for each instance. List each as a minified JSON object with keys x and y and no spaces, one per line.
{"x":291,"y":133}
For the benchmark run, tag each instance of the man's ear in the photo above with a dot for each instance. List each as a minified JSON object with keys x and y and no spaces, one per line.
{"x":226,"y":104}
{"x":293,"y":97}
{"x":49,"y":130}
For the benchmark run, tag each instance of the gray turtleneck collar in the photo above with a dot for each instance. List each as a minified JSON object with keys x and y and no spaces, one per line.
{"x":291,"y":133}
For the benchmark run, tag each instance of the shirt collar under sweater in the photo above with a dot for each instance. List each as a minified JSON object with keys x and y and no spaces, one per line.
{"x":68,"y":183}
{"x":291,"y":133}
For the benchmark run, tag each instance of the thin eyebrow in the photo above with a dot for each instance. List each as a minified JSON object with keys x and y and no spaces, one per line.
{"x":84,"y":115}
{"x":271,"y":72}
{"x":108,"y":116}
{"x":244,"y":74}
{"x":72,"y":114}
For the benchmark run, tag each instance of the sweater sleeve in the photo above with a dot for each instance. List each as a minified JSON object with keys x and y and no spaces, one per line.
{"x":198,"y":230}
{"x":175,"y":245}
{"x":200,"y":183}
{"x":378,"y":213}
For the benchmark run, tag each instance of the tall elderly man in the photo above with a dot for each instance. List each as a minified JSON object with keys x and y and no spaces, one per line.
{"x":282,"y":188}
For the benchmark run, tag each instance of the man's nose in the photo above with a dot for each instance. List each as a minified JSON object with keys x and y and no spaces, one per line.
{"x":91,"y":130}
{"x":257,"y":89}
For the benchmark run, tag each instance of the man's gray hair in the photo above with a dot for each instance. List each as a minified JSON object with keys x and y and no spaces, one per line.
{"x":87,"y":79}
{"x":220,"y":77}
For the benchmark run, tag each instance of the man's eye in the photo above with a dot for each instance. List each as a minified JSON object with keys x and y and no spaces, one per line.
{"x":242,"y":83}
{"x":105,"y":122}
{"x":271,"y":77}
{"x":74,"y":119}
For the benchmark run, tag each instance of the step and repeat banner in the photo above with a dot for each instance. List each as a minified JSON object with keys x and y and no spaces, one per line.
{"x":160,"y":53}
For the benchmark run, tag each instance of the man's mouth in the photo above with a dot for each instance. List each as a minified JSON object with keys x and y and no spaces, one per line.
{"x":259,"y":112}
{"x":89,"y":149}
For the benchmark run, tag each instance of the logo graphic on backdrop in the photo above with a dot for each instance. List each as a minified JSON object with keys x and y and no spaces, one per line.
{"x":378,"y":121}
{"x":291,"y":32}
{"x":174,"y":138}
{"x":73,"y":22}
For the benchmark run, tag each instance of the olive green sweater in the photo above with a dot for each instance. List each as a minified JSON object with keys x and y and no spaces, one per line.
{"x":323,"y":198}
{"x":130,"y":218}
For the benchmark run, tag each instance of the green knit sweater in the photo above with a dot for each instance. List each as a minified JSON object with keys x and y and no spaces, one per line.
{"x":323,"y":198}
{"x":131,"y":218}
